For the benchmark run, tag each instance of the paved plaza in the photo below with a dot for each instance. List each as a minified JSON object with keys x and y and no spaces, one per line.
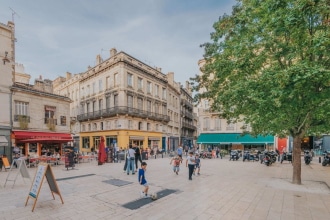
{"x":224,"y":190}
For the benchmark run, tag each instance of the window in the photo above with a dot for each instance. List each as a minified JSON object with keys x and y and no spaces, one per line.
{"x":206,"y":104}
{"x":50,"y":115}
{"x":130,"y":101}
{"x":140,"y":104}
{"x":140,"y":126}
{"x":100,"y":104}
{"x":101,"y":125}
{"x":107,"y":102}
{"x":149,"y":87}
{"x":217,"y":124}
{"x":82,"y":91}
{"x":108,"y":85}
{"x":76,"y":94}
{"x":94,"y":88}
{"x":116,"y":79}
{"x":157,"y":127}
{"x":130,"y":125}
{"x":140,"y":83}
{"x":149,"y":106}
{"x":129,"y":80}
{"x":206,"y":124}
{"x":100,"y":85}
{"x":115,"y":100}
{"x":156,"y":90}
{"x":94,"y":106}
{"x":88,"y":91}
{"x":156,"y":108}
{"x":164,"y":93}
{"x":148,"y":126}
{"x":63,"y":120}
{"x":85,"y":141}
{"x":164,"y":109}
{"x":83,"y":128}
{"x":21,"y":108}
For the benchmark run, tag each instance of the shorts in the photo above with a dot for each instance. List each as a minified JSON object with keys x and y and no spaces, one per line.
{"x":197,"y":165}
{"x":176,"y":168}
{"x":146,"y":184}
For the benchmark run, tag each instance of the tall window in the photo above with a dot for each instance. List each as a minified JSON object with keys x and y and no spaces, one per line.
{"x":115,"y":100}
{"x":206,"y":124}
{"x":164,"y":93}
{"x":149,"y":87}
{"x":156,"y":108}
{"x":100,"y":85}
{"x":108,"y":85}
{"x":107,"y":102}
{"x":50,"y":115}
{"x":140,"y":83}
{"x":116,"y":79}
{"x":217,"y":125}
{"x":130,"y":125}
{"x":156,"y":90}
{"x":82,"y":91}
{"x":94,"y":106}
{"x":88,"y":91}
{"x":130,"y":101}
{"x":129,"y":80}
{"x":94,"y":88}
{"x":148,"y":126}
{"x":21,"y":108}
{"x":164,"y":110}
{"x":100,"y":104}
{"x":149,"y":106}
{"x":140,"y":104}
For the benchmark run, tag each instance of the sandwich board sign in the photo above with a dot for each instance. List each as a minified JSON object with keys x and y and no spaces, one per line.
{"x":44,"y":170}
{"x":22,"y":169}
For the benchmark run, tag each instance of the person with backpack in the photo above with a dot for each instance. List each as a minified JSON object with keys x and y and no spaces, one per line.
{"x":137,"y":156}
{"x":175,"y":161}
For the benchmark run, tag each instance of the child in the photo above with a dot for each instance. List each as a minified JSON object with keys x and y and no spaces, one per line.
{"x":190,"y":163}
{"x":197,"y":164}
{"x":143,"y":181}
{"x":176,"y":164}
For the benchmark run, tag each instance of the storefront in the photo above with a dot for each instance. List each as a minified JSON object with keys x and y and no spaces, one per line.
{"x":237,"y":141}
{"x":35,"y":143}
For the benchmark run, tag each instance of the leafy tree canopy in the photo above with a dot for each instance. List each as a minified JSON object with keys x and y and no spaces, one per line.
{"x":268,"y":65}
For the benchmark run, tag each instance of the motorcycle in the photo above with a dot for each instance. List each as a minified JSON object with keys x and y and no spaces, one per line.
{"x":326,"y":159}
{"x":250,"y":157}
{"x":267,"y":159}
{"x":286,"y":156}
{"x":234,"y":155}
{"x":307,"y":157}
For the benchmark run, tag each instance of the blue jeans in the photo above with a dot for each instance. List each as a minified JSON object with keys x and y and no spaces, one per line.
{"x":130,"y":164}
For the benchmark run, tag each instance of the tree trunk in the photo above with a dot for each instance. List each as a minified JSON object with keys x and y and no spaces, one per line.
{"x":296,"y":154}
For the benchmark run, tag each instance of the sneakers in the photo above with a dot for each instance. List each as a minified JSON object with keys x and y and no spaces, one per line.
{"x":142,"y":194}
{"x":198,"y":173}
{"x":176,"y":172}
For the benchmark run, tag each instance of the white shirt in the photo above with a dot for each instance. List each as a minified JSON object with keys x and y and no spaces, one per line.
{"x":191,"y":160}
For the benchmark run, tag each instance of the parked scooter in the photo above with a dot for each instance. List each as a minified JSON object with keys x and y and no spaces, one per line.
{"x":234,"y":155}
{"x":286,"y":156}
{"x":267,"y":158}
{"x":326,"y":158}
{"x":307,"y":157}
{"x":250,"y":157}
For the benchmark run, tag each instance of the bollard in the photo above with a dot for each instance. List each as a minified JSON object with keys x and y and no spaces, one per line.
{"x":319,"y":159}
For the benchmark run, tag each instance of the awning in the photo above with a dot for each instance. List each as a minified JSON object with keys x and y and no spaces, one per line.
{"x":233,"y":138}
{"x":138,"y":138}
{"x":154,"y":138}
{"x":3,"y":141}
{"x":47,"y":137}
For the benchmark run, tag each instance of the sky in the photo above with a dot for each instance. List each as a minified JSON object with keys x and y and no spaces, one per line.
{"x":55,"y":37}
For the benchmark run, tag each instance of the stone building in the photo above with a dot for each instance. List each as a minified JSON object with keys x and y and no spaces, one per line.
{"x":40,"y":118}
{"x":7,"y":67}
{"x":122,"y":99}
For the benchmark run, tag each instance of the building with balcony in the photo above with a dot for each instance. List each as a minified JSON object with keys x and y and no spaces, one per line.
{"x":7,"y":67}
{"x":188,"y":123}
{"x":215,"y":131}
{"x":122,"y":99}
{"x":40,"y":118}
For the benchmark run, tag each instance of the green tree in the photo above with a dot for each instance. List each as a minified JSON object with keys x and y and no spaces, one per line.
{"x":268,"y":65}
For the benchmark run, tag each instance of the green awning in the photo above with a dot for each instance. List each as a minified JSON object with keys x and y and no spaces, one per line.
{"x":233,"y":138}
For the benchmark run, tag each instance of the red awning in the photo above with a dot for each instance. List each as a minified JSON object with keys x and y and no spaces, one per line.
{"x":31,"y":136}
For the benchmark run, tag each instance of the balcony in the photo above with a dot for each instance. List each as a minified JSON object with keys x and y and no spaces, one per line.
{"x":122,"y":110}
{"x":52,"y":121}
{"x":188,"y":125}
{"x":24,"y":118}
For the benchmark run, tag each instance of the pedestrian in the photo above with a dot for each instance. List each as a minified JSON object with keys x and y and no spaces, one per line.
{"x":1,"y":162}
{"x":180,"y":151}
{"x":190,"y":163}
{"x":130,"y":160}
{"x":137,"y":156}
{"x":142,"y":180}
{"x":186,"y":150}
{"x":175,"y":161}
{"x":197,"y":164}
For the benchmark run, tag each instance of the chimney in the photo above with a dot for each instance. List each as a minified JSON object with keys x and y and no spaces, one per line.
{"x":68,"y":75}
{"x":98,"y":59}
{"x":170,"y":77}
{"x":113,"y":52}
{"x":40,"y":77}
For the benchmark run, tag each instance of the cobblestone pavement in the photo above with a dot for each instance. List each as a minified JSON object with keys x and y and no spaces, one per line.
{"x":224,"y":190}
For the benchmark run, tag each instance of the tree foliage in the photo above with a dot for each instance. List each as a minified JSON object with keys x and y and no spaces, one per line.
{"x":268,"y":64}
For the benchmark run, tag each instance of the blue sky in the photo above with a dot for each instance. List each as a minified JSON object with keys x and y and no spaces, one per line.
{"x":54,"y":37}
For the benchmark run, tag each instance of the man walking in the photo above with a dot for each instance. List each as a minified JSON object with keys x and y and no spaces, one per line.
{"x":190,"y":163}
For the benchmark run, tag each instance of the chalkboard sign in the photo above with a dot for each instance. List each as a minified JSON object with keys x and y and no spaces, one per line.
{"x":43,"y":170}
{"x":23,"y":168}
{"x":6,"y":163}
